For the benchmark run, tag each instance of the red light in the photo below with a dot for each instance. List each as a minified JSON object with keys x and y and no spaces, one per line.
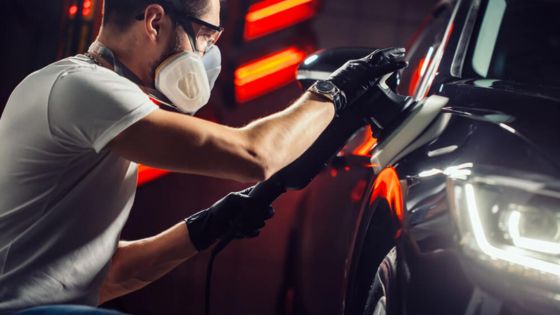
{"x":264,"y":75}
{"x":428,"y":66}
{"x":334,"y":172}
{"x":447,"y":36}
{"x":358,"y":191}
{"x":86,"y":12}
{"x":147,"y":174}
{"x":388,"y":186}
{"x":364,"y":149}
{"x":72,"y":10}
{"x":87,"y":9}
{"x":269,"y":16}
{"x":415,"y":79}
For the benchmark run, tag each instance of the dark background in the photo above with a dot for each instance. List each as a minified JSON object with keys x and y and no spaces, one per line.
{"x":250,"y":275}
{"x":31,"y":29}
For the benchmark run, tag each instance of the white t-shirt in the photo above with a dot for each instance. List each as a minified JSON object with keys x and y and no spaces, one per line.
{"x":64,"y":196}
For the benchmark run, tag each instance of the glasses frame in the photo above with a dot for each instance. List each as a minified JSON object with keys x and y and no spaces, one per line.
{"x":185,"y":21}
{"x":217,"y":28}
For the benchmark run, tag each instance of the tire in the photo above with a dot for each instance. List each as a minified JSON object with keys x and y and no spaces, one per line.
{"x":382,"y":294}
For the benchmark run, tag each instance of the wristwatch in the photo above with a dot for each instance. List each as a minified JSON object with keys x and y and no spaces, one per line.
{"x":328,"y":90}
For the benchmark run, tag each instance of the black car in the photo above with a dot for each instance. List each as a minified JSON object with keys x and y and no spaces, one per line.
{"x":455,"y":210}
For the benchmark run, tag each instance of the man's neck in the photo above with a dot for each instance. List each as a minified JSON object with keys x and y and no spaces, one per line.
{"x":122,"y":49}
{"x":106,"y":57}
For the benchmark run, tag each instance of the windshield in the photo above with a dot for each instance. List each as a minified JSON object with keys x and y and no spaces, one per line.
{"x":518,"y":40}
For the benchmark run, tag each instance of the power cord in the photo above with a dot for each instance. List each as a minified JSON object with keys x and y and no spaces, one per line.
{"x":263,"y":193}
{"x":215,"y":251}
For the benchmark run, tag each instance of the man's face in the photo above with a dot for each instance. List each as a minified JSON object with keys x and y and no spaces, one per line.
{"x":178,"y":39}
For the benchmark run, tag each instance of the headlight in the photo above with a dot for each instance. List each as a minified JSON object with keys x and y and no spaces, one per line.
{"x":510,"y":223}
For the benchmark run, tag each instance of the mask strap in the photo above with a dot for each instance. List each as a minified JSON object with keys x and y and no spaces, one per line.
{"x":98,"y":49}
{"x":191,"y":36}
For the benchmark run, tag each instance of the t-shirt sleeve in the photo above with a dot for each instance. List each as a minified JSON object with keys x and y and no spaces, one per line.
{"x":89,"y":106}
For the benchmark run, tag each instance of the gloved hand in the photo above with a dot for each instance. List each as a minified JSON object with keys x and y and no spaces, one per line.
{"x":236,"y":210}
{"x":357,"y":76}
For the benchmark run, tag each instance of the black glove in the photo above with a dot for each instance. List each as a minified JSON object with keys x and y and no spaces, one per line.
{"x":235,"y":211}
{"x":357,"y":76}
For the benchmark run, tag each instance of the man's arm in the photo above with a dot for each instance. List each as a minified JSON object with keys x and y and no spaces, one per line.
{"x":255,"y":152}
{"x":136,"y":264}
{"x":190,"y":145}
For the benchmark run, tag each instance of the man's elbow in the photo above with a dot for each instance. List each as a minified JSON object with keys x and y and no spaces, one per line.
{"x":262,"y":160}
{"x":262,"y":166}
{"x":258,"y":171}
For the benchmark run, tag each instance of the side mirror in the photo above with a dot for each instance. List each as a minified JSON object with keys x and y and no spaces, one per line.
{"x":321,"y":64}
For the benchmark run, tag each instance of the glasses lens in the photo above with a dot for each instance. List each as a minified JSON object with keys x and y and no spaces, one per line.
{"x":206,"y":38}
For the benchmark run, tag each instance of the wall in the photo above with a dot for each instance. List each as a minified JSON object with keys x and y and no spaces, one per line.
{"x":371,"y":23}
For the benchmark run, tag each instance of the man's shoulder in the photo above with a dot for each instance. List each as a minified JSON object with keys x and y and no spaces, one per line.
{"x":79,"y":68}
{"x":79,"y":73}
{"x":84,"y":66}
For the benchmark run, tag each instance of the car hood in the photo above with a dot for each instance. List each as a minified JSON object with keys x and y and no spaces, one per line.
{"x":532,"y":112}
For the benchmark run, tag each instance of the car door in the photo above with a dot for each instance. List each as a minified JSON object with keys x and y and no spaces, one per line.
{"x":377,"y":223}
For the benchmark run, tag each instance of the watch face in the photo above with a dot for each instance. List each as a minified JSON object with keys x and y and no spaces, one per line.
{"x":324,"y":86}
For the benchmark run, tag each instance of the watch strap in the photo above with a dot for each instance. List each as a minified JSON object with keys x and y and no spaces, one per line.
{"x":336,"y":96}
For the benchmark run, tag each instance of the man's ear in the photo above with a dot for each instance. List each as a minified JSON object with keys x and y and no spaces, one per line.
{"x":153,"y":19}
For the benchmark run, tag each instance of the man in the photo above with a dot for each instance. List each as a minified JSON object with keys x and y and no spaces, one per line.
{"x":70,"y":131}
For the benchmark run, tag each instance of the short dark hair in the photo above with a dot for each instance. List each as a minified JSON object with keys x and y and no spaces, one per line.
{"x":122,"y":13}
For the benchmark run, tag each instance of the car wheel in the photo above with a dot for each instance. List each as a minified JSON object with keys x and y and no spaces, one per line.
{"x":382,"y":294}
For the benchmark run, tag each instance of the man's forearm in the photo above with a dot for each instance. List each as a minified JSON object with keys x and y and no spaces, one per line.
{"x":248,"y":154}
{"x":138,"y":263}
{"x":284,"y":136}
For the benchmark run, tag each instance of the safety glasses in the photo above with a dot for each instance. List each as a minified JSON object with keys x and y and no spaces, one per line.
{"x":202,"y":35}
{"x":205,"y":34}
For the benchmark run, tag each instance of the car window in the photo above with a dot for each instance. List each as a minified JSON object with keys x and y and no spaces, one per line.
{"x":423,"y":49}
{"x":518,"y":40}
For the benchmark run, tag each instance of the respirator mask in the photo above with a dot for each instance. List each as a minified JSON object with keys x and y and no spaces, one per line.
{"x":187,"y":79}
{"x":184,"y":80}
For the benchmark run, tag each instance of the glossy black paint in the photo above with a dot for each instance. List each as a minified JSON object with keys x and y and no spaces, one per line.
{"x":489,"y":123}
{"x":437,"y":278}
